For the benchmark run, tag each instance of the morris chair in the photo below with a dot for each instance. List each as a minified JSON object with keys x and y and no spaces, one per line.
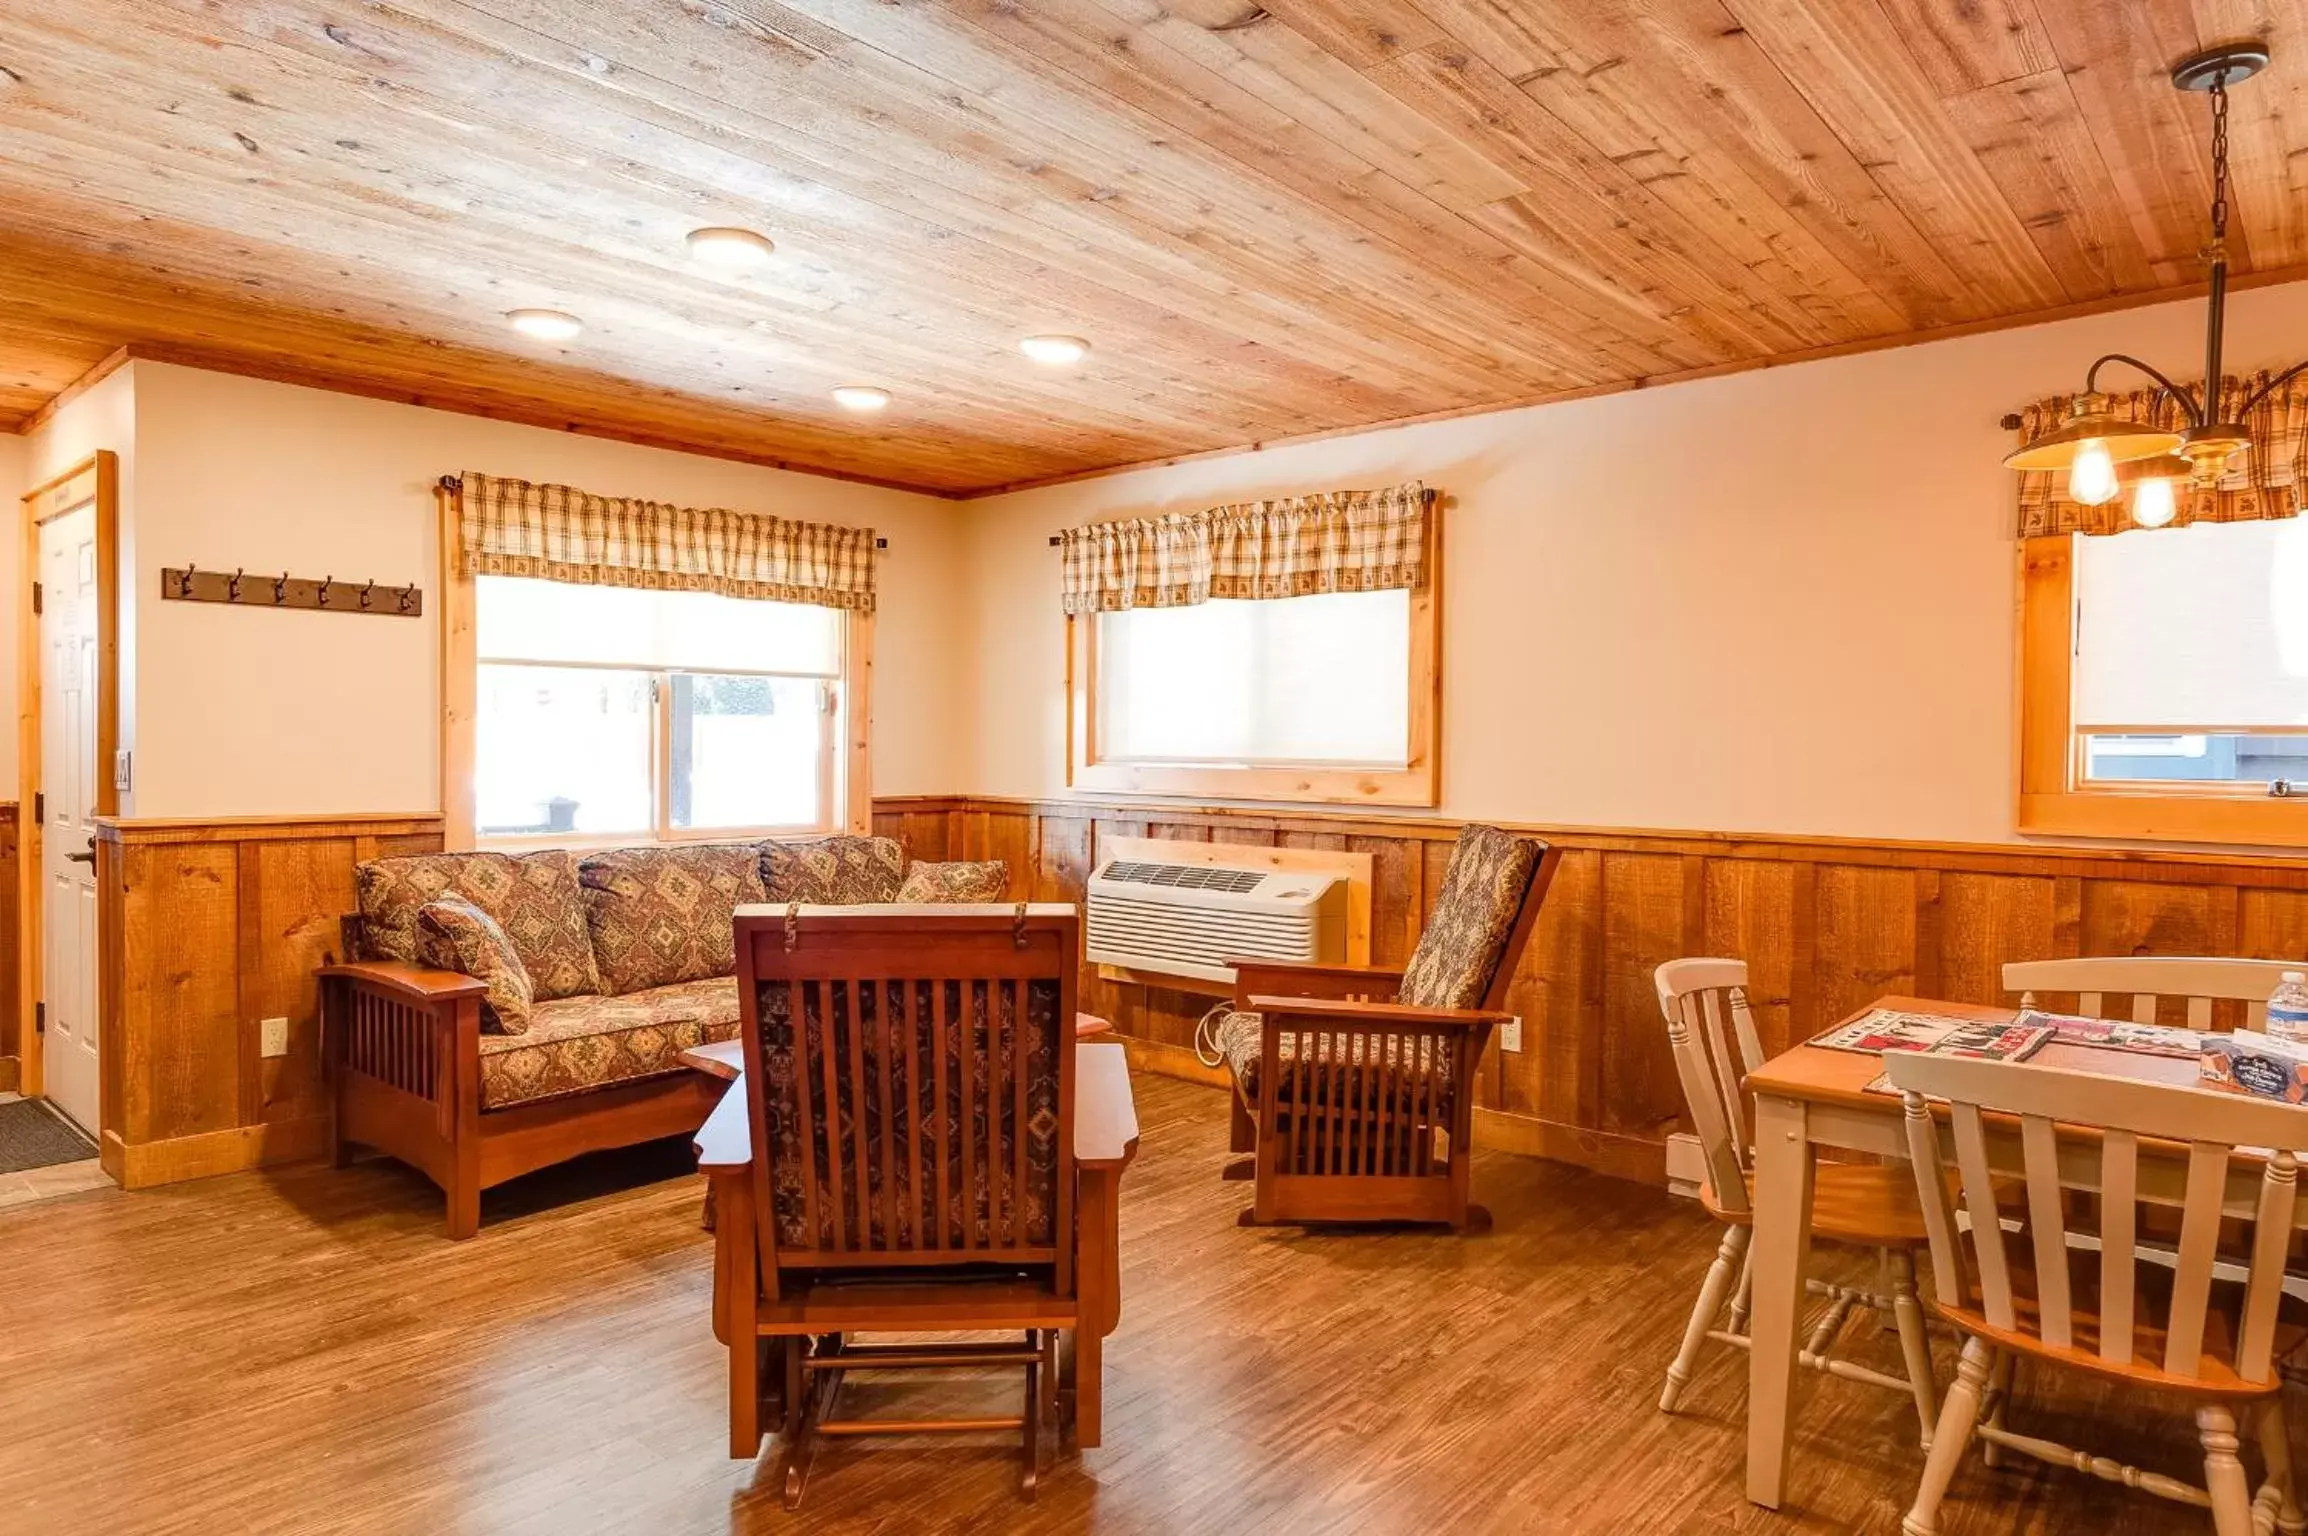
{"x":1354,"y":1086}
{"x":900,"y":1157}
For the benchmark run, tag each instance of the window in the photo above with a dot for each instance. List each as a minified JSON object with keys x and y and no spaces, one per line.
{"x":2165,"y":681}
{"x":1329,"y":698}
{"x":614,"y":712}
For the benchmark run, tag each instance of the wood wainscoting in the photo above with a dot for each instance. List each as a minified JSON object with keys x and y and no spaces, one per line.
{"x":1825,"y":924}
{"x":211,"y":927}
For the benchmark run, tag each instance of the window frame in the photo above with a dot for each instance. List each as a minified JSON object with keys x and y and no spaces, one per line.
{"x":2056,"y":797}
{"x":1417,"y":783}
{"x":845,"y":779}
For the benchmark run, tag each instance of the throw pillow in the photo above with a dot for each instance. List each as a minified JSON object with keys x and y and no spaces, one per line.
{"x":960,"y":881}
{"x":455,"y":935}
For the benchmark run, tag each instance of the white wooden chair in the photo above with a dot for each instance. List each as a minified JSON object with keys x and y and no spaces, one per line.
{"x":2114,"y":1312}
{"x":2147,"y":979}
{"x":1712,"y":1033}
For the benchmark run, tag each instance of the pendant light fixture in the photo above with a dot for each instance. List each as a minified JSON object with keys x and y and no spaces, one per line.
{"x":2103,"y":454}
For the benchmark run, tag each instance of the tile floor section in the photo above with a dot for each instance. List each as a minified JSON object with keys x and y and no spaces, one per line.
{"x":47,"y":1183}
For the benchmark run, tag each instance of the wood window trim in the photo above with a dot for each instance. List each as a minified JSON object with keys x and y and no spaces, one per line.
{"x":2054,"y":799}
{"x":1418,"y":783}
{"x":460,"y":735}
{"x":94,"y":480}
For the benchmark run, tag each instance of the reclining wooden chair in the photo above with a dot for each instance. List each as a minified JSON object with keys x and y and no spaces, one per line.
{"x":1354,"y":1086}
{"x":899,"y":1157}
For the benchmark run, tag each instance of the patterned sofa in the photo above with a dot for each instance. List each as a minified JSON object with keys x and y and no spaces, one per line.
{"x":500,"y":1012}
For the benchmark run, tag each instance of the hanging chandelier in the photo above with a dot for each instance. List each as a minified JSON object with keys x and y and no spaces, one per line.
{"x":2104,"y":454}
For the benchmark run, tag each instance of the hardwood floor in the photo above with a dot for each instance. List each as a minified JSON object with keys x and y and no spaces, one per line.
{"x":303,"y":1351}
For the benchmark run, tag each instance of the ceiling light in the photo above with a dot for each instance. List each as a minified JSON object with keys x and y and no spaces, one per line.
{"x":1055,"y":351}
{"x":2091,"y":442}
{"x":545,"y":324}
{"x":733,"y":248}
{"x":861,"y":397}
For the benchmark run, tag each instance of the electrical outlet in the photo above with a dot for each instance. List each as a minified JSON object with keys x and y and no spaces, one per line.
{"x":275,"y":1039}
{"x":1511,"y":1036}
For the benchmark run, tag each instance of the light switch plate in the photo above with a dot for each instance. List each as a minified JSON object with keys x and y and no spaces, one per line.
{"x":1511,"y":1036}
{"x":275,"y":1038}
{"x":120,"y":770}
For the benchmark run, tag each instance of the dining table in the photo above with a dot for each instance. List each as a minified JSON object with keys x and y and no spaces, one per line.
{"x":1813,"y":1097}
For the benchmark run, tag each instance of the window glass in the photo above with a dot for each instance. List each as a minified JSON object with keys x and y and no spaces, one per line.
{"x":1301,"y":680}
{"x":563,"y":749}
{"x":521,"y":620}
{"x":747,"y":751}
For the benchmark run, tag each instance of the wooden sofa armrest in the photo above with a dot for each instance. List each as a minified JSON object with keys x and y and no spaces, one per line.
{"x":1387,"y":1018}
{"x":411,"y":983}
{"x":1283,"y":978}
{"x":725,"y":1142}
{"x":1105,"y":1113}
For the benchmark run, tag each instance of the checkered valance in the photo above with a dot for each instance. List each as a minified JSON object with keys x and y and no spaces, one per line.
{"x":2267,"y":481}
{"x":559,"y":533}
{"x":1339,"y":541}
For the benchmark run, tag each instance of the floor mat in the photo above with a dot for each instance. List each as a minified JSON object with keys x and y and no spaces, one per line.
{"x":34,"y":1136}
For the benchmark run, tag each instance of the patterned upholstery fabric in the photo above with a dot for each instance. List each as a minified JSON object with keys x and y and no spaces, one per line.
{"x":1339,"y":1081}
{"x":795,"y":1069}
{"x":579,"y":1043}
{"x":833,"y":871}
{"x":532,"y":896}
{"x":662,"y":915}
{"x":1464,"y":938}
{"x":455,"y":935}
{"x":969,"y":881}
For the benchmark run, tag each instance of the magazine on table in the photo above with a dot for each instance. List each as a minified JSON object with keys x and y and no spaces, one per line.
{"x":1937,"y":1034}
{"x":2117,"y":1034}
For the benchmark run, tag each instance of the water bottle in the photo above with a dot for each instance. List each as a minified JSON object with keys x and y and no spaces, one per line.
{"x":2288,"y":1008}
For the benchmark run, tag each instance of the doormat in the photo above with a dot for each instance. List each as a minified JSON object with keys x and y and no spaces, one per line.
{"x":34,"y":1136}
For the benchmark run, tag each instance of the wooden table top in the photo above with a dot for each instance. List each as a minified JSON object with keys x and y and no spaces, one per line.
{"x":1818,"y":1075}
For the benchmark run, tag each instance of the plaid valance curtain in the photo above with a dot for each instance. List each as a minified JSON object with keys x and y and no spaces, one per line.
{"x":2267,"y":481}
{"x":559,"y":533}
{"x":1338,"y":541}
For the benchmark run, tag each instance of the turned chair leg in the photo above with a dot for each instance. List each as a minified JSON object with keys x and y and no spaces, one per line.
{"x":1998,"y":1406}
{"x":2276,"y":1451}
{"x":1914,"y":1343}
{"x":1742,"y":1294}
{"x":1712,"y":1290}
{"x":1958,"y":1418}
{"x":2224,"y":1477}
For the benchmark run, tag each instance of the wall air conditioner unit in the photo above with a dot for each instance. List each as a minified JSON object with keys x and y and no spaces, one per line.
{"x":1188,"y":920}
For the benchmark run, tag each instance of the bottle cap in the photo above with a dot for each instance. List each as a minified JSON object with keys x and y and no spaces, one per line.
{"x":2300,"y":976}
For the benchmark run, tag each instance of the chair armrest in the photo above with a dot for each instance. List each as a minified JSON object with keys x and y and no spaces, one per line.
{"x":1399,"y":1018}
{"x":1283,"y":978}
{"x":411,"y":982}
{"x":1105,"y":1113}
{"x":725,"y":1142}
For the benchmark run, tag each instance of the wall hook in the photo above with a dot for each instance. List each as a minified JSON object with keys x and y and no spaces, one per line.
{"x":407,"y":596}
{"x":184,"y":581}
{"x":324,"y":592}
{"x":232,"y":587}
{"x":280,"y":589}
{"x":365,"y":593}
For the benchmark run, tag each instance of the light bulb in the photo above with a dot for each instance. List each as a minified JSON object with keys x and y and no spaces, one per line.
{"x":545,"y":324}
{"x":2153,"y":503}
{"x":733,"y":248}
{"x":861,"y":397}
{"x":1055,"y":351}
{"x":2092,"y":478}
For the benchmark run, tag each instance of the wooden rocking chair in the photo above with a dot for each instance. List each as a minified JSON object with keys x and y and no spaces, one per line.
{"x":1354,"y":1086}
{"x":905,"y":1164}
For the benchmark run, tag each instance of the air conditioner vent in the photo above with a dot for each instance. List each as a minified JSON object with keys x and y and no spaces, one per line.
{"x":1185,"y":877}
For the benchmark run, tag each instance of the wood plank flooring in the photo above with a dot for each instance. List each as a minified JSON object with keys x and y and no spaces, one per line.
{"x":304,"y":1352}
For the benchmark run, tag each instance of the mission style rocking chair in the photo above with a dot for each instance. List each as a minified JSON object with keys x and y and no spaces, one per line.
{"x":899,"y":1157}
{"x":1354,"y":1086}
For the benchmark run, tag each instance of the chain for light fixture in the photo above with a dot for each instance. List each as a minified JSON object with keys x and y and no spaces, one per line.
{"x":2093,"y":440}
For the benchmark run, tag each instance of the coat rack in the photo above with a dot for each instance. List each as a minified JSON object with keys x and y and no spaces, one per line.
{"x":261,"y":590}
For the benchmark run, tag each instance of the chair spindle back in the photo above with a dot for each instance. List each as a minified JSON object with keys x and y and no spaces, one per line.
{"x":1712,"y":1033}
{"x":2148,"y":979}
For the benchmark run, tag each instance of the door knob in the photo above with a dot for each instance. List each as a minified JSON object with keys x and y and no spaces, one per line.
{"x":88,"y":857}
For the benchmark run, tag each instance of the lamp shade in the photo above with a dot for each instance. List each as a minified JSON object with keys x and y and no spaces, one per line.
{"x":2090,"y":422}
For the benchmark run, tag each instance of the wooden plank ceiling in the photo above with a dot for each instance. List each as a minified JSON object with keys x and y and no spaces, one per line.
{"x":1269,"y":219}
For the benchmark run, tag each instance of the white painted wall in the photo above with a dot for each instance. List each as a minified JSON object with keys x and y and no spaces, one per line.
{"x":1776,"y":602}
{"x":253,"y":713}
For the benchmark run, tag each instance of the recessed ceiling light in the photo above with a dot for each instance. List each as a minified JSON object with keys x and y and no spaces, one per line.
{"x":545,"y":324}
{"x":724,"y":247}
{"x":861,"y":397}
{"x":1055,"y":351}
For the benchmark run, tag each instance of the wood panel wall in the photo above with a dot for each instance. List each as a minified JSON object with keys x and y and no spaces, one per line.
{"x":210,"y":928}
{"x":1827,"y":925}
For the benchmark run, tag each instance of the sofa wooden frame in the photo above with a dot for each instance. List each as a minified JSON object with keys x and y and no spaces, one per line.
{"x":403,"y":1050}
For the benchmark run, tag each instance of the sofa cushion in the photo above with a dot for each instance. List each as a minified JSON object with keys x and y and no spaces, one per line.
{"x":833,"y":871}
{"x":1431,"y":1087}
{"x":533,"y":897}
{"x":1466,"y":934}
{"x":455,"y":935}
{"x":962,"y":881}
{"x":577,"y":1044}
{"x":662,"y":915}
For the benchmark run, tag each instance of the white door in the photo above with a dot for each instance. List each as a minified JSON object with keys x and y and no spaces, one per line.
{"x":68,"y":771}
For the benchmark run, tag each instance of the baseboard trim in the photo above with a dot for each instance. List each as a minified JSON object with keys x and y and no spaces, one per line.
{"x":202,"y":1157}
{"x":1165,"y":1060}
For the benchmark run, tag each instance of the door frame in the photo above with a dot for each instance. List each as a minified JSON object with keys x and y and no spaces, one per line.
{"x":95,"y":479}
